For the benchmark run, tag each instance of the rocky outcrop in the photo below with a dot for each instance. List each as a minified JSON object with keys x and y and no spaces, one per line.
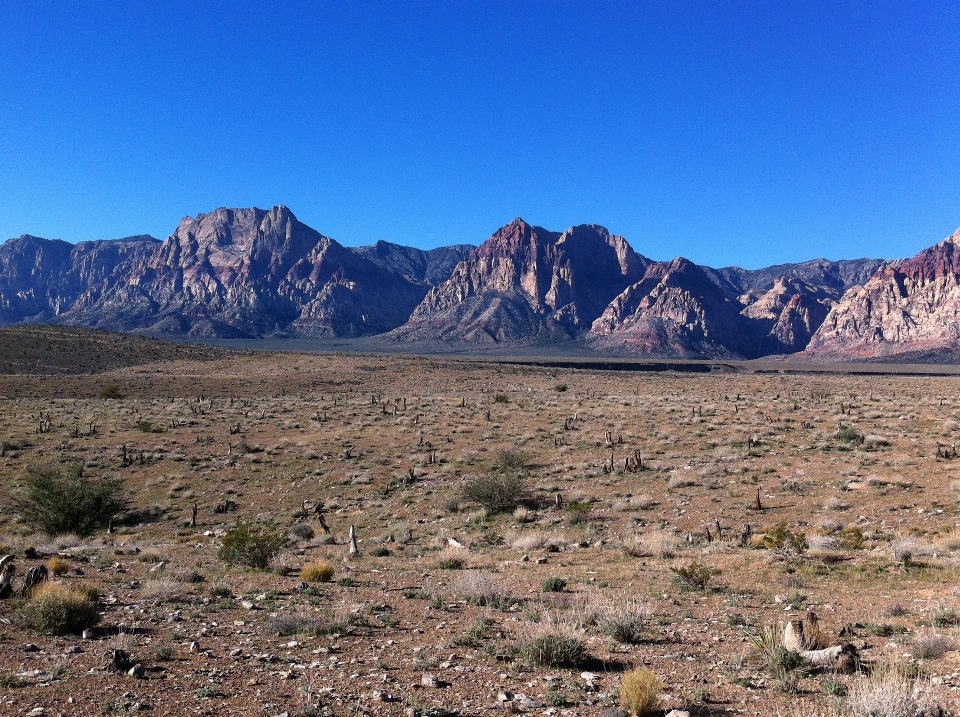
{"x":675,"y":310}
{"x":527,"y":283}
{"x":789,"y":313}
{"x":42,"y":279}
{"x":831,"y":276}
{"x":253,"y":272}
{"x":908,"y":309}
{"x":429,"y":266}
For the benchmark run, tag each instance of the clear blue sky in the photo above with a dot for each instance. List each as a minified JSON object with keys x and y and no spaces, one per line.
{"x":728,"y":132}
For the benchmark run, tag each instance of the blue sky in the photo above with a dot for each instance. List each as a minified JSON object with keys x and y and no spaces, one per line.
{"x":729,"y":132}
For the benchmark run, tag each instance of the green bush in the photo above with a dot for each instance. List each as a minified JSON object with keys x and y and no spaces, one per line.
{"x":785,"y":666}
{"x":65,"y":501}
{"x":57,"y":610}
{"x":695,"y":576}
{"x":497,"y":493}
{"x":553,"y":649}
{"x":252,"y":545}
{"x":110,"y":391}
{"x":553,"y":585}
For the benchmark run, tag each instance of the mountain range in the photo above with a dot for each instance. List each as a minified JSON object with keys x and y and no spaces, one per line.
{"x":253,"y":273}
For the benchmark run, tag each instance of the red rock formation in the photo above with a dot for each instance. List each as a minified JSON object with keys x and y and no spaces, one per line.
{"x":909,"y":308}
{"x":677,"y":311}
{"x":527,"y":283}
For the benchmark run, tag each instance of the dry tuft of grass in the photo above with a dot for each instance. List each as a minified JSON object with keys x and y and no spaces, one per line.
{"x":640,"y":692}
{"x":318,"y":571}
{"x":55,"y":609}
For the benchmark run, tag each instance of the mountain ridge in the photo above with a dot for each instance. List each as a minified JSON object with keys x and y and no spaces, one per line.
{"x":248,"y":272}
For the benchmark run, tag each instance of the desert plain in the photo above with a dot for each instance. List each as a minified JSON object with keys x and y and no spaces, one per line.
{"x":661,"y":520}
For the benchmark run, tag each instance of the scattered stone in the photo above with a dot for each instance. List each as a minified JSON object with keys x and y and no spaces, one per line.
{"x":504,"y":696}
{"x":247,"y":605}
{"x":678,"y":713}
{"x":137,"y":671}
{"x":429,"y":681}
{"x":613,"y":712}
{"x":529,"y":702}
{"x":30,"y":647}
{"x":193,"y":646}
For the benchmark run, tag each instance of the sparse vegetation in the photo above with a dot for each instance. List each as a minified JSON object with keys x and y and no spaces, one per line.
{"x":555,"y":649}
{"x":63,"y":499}
{"x":252,"y":545}
{"x":695,"y":576}
{"x":640,"y":692}
{"x":743,"y":491}
{"x":58,"y":610}
{"x":318,"y":571}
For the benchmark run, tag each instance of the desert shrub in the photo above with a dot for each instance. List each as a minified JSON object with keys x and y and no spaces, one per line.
{"x":482,"y":589}
{"x":624,"y":619}
{"x":930,"y":646}
{"x":851,"y":538}
{"x":906,"y":549}
{"x":891,"y":692}
{"x":944,"y":616}
{"x":695,"y":576}
{"x":561,"y":387}
{"x":511,"y":461}
{"x":846,"y":434}
{"x":110,"y":391}
{"x":785,"y":666}
{"x":553,"y":585}
{"x":319,"y":571}
{"x":476,"y":636}
{"x":66,"y":501}
{"x":656,"y":543}
{"x":523,"y":514}
{"x":302,"y":531}
{"x":285,"y":624}
{"x":57,"y":610}
{"x":501,"y":398}
{"x":497,"y":493}
{"x":452,"y":559}
{"x":148,"y":427}
{"x":555,"y":649}
{"x":640,"y":692}
{"x":779,"y":537}
{"x":252,"y":545}
{"x":58,"y":566}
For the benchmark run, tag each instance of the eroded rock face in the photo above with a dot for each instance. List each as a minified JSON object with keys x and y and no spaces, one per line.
{"x":675,"y":310}
{"x":909,"y":308}
{"x":789,"y":313}
{"x":42,"y":279}
{"x":526,"y":282}
{"x":429,"y":266}
{"x":253,"y":272}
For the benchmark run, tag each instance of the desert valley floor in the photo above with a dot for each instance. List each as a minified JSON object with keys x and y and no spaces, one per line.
{"x":623,"y":546}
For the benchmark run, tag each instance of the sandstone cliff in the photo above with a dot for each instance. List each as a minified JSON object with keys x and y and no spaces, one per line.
{"x":527,"y":283}
{"x":909,"y":308}
{"x":675,"y":310}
